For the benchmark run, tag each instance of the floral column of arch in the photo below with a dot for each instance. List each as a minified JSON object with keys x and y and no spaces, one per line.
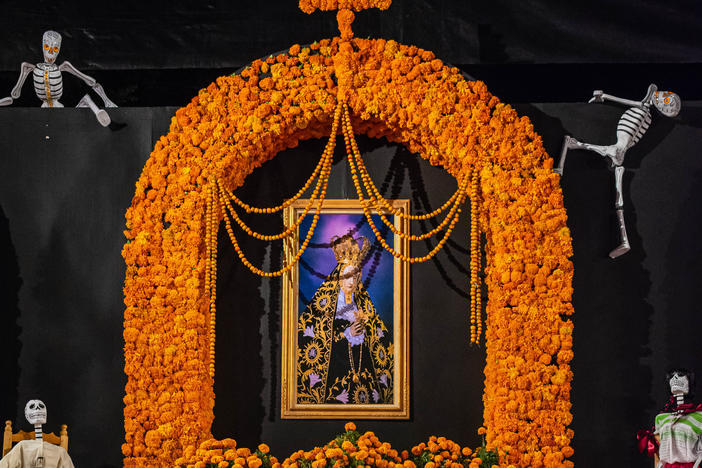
{"x":398,"y":92}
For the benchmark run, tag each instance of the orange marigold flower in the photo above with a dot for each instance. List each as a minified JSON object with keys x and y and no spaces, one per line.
{"x":348,"y":446}
{"x":349,"y":426}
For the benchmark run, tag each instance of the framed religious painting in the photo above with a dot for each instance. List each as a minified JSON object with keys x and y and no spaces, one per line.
{"x":345,"y":324}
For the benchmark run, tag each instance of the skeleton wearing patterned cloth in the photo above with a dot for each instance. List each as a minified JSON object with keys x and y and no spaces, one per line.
{"x":48,"y":82}
{"x":679,"y":427}
{"x":632,"y":126}
{"x":345,"y":352}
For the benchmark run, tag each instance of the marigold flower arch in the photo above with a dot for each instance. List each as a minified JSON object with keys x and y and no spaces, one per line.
{"x":394,"y":91}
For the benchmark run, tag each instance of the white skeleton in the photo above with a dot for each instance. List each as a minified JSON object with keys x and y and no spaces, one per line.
{"x":631,"y":128}
{"x":679,"y":387}
{"x":35,"y":412}
{"x":48,"y":82}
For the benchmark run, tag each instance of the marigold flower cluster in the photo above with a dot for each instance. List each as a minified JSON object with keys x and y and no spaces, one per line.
{"x":309,"y":6}
{"x":393,"y":91}
{"x":348,"y":449}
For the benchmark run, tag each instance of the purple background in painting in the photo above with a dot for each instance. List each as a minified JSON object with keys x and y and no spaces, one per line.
{"x":318,"y":260}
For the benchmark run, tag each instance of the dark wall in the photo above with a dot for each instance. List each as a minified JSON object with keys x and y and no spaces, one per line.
{"x":154,"y":54}
{"x":67,"y":183}
{"x":220,"y":33}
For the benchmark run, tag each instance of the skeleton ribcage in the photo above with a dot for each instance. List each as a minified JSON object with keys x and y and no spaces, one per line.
{"x":633,"y":125}
{"x":48,"y":84}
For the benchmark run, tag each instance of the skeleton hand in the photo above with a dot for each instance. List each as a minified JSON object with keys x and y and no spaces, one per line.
{"x":597,"y":96}
{"x":6,"y":101}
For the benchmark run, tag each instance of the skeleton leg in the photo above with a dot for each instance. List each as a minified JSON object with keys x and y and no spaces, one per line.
{"x":101,"y":114}
{"x":624,"y":246}
{"x":571,"y":143}
{"x":566,"y":146}
{"x":101,"y":92}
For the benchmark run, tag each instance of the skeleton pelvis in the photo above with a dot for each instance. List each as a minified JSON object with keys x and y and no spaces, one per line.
{"x":53,"y":104}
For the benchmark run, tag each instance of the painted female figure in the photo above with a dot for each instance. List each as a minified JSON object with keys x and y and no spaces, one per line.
{"x":345,"y":353}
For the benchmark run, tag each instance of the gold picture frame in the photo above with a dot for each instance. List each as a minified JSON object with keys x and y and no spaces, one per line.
{"x":333,"y":216}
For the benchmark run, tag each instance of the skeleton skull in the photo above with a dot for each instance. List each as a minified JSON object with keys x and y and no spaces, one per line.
{"x":667,"y":103}
{"x":679,"y":384}
{"x":51,"y":43}
{"x":35,"y":412}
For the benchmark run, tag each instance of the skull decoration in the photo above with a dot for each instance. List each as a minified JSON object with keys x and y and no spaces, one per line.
{"x":679,"y":384}
{"x":51,"y":42}
{"x":667,"y":103}
{"x":35,"y":412}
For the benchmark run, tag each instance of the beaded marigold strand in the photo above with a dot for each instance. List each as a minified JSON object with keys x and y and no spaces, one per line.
{"x":348,"y":137}
{"x":380,"y":201}
{"x":320,"y":202}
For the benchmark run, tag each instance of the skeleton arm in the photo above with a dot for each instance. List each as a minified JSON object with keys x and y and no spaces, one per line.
{"x":25,"y":70}
{"x":599,"y":96}
{"x":69,"y":68}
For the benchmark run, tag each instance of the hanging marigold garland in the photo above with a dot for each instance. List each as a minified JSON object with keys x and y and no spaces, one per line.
{"x":394,"y":91}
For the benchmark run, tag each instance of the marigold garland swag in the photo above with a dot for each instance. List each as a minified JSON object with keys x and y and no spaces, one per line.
{"x":393,"y":91}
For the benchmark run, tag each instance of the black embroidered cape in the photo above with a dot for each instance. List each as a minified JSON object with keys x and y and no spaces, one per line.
{"x":325,"y":357}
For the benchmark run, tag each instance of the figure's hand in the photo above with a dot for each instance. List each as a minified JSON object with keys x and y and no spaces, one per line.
{"x":6,"y":101}
{"x":357,"y":328}
{"x":597,"y":96}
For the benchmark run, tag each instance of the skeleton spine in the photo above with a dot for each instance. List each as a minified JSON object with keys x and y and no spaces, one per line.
{"x":679,"y":399}
{"x":38,"y":434}
{"x":48,"y":83}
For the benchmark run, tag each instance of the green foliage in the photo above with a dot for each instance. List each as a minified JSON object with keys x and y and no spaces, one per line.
{"x":351,"y":436}
{"x":265,"y":458}
{"x":422,"y":459}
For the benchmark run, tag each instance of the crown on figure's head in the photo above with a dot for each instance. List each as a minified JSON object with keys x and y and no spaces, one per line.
{"x":347,"y":251}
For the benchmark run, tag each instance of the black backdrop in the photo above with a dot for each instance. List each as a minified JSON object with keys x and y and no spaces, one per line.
{"x":66,"y":183}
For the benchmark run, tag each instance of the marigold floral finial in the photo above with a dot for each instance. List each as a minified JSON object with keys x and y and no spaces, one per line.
{"x":346,"y":8}
{"x":344,"y":18}
{"x":308,"y":6}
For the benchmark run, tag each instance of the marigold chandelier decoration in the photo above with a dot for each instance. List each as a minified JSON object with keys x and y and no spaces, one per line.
{"x":220,"y":201}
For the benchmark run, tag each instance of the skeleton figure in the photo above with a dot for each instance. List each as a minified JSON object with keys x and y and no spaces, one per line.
{"x":631,"y":128}
{"x":679,"y":381}
{"x":678,"y":428}
{"x":35,"y":412}
{"x":48,"y":82}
